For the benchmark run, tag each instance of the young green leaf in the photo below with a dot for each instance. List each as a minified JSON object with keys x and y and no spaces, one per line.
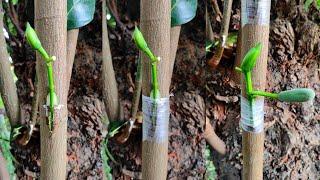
{"x":80,"y":13}
{"x":142,"y":44}
{"x":32,"y":38}
{"x":296,"y":95}
{"x":183,"y":11}
{"x":250,"y":59}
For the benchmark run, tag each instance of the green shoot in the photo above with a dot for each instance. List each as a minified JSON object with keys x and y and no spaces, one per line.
{"x":248,"y":63}
{"x":35,"y":43}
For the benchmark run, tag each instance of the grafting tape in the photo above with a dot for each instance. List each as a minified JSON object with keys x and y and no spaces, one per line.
{"x":255,"y":12}
{"x":155,"y":119}
{"x":252,"y":115}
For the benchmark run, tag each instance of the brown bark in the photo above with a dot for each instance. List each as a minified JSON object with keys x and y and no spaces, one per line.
{"x":4,"y":174}
{"x":212,"y":138}
{"x":174,"y":41}
{"x":8,"y":88}
{"x":72,"y":38}
{"x":209,"y":31}
{"x":155,"y":26}
{"x":110,"y":89}
{"x":51,"y":26}
{"x":252,"y":143}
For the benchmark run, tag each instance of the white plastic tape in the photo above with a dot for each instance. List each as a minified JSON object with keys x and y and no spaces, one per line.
{"x":255,"y":12}
{"x":252,"y":115}
{"x":155,"y":119}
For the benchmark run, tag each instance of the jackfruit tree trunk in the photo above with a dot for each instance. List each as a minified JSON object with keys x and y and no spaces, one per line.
{"x":72,"y":38}
{"x":155,"y":25}
{"x":110,"y":89}
{"x":51,"y":26}
{"x":8,"y":89}
{"x":255,"y":29}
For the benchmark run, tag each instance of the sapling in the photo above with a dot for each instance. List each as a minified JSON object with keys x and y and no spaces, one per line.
{"x":143,"y":46}
{"x":52,"y":99}
{"x":248,"y":63}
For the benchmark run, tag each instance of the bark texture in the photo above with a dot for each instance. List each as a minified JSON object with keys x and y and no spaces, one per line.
{"x":8,"y":88}
{"x":4,"y":174}
{"x":252,"y":143}
{"x":155,"y":26}
{"x":72,"y":38}
{"x":51,"y":26}
{"x":110,"y":89}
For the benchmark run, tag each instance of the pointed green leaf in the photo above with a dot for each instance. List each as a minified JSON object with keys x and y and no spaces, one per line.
{"x":80,"y":12}
{"x":32,"y":38}
{"x":250,"y":59}
{"x":182,"y":11}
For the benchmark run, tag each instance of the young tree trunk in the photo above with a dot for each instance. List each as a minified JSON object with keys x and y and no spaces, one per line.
{"x":4,"y":174}
{"x":254,"y":32}
{"x":8,"y":89}
{"x":72,"y":38}
{"x":110,"y":89}
{"x":51,"y":26}
{"x":155,"y":18}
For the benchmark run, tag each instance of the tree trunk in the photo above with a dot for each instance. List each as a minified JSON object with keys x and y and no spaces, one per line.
{"x":4,"y":174}
{"x":51,"y":25}
{"x":110,"y":89}
{"x":155,"y":26}
{"x":253,"y":32}
{"x":72,"y":38}
{"x":8,"y":87}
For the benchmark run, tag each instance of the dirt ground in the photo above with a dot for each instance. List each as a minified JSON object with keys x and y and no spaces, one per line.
{"x":292,"y":144}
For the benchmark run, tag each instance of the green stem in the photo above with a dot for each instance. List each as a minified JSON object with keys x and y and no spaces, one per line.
{"x":44,"y":54}
{"x":249,"y":87}
{"x":265,"y":94}
{"x":155,"y":84}
{"x":51,"y":88}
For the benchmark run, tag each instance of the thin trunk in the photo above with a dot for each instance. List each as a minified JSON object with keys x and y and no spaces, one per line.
{"x":209,"y":31}
{"x":253,"y":32}
{"x":8,"y":87}
{"x":174,"y":41}
{"x":110,"y":89}
{"x":212,"y":138}
{"x":4,"y":174}
{"x":72,"y":38}
{"x":51,"y":25}
{"x":155,"y":26}
{"x":237,"y":75}
{"x":215,"y":60}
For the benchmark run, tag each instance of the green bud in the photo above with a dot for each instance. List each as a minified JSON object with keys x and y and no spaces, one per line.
{"x":141,"y":43}
{"x":250,"y":59}
{"x":32,"y":38}
{"x":139,"y":39}
{"x":296,"y":95}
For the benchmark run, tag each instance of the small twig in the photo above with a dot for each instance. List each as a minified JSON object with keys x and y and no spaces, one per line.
{"x":135,"y":104}
{"x":215,"y":60}
{"x":11,"y":12}
{"x":216,"y":8}
{"x":113,"y":9}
